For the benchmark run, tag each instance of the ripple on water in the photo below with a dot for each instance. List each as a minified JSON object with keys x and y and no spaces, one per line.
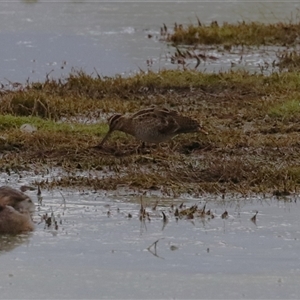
{"x":97,"y":245}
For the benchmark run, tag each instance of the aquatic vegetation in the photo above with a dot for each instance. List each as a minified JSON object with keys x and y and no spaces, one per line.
{"x":251,"y":120}
{"x":289,"y":60}
{"x":242,"y":33}
{"x":204,"y":44}
{"x":50,"y":221}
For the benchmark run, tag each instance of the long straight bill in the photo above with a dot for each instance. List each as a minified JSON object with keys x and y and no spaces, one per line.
{"x":203,"y":131}
{"x":105,"y":138}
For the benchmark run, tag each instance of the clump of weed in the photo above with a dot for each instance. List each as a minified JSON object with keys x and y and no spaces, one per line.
{"x":91,"y":97}
{"x":242,"y":33}
{"x":289,"y":60}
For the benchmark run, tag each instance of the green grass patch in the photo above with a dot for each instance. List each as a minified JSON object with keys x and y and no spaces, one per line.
{"x":90,"y":97}
{"x":8,"y":122}
{"x":287,"y":110}
{"x":252,"y":122}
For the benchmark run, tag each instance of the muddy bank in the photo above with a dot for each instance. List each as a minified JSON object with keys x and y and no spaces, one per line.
{"x":251,"y":119}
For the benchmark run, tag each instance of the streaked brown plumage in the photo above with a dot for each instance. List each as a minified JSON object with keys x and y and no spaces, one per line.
{"x":152,"y":125}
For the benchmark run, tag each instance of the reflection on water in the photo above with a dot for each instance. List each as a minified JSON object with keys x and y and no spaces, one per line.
{"x":8,"y":242}
{"x":102,"y":248}
{"x":42,"y":37}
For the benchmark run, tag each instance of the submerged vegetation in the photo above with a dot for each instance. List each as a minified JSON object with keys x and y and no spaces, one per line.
{"x":252,"y":122}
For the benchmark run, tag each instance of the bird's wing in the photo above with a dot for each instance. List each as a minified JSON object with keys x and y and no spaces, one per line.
{"x":143,"y":111}
{"x":166,"y":124}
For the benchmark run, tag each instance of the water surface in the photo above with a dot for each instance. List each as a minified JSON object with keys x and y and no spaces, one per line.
{"x":94,"y":254}
{"x":50,"y":37}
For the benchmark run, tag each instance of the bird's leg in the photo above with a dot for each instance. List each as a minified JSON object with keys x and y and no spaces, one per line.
{"x":173,"y":145}
{"x":141,"y":149}
{"x":104,"y":139}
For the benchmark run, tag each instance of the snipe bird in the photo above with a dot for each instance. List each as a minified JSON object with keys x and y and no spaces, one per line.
{"x":153,"y":125}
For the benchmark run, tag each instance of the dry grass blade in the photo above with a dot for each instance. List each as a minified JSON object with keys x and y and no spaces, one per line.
{"x":253,"y":124}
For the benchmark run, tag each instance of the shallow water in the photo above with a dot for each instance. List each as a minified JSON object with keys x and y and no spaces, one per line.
{"x":50,"y":37}
{"x":96,"y":255}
